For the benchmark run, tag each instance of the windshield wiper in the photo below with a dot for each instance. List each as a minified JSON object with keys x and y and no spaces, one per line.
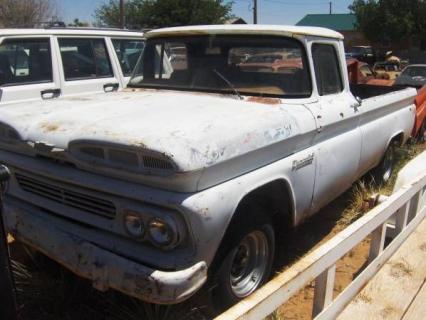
{"x":228,"y":83}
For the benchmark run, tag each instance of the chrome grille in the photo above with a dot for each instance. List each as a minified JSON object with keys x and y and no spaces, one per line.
{"x":67,"y":197}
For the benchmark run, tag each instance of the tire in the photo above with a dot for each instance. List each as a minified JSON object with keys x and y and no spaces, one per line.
{"x":383,"y":172}
{"x":248,"y":259}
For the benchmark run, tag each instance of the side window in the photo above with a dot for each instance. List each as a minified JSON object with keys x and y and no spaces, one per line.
{"x":24,"y":61}
{"x":327,"y":71}
{"x":84,"y":58}
{"x":128,"y":52}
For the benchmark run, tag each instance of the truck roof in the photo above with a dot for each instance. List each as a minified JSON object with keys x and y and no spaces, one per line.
{"x":245,"y":29}
{"x":70,"y":32}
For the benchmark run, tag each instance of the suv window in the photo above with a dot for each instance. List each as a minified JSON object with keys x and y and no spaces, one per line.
{"x":128,"y":52}
{"x":24,"y":61}
{"x":327,"y":71}
{"x":85,"y":58}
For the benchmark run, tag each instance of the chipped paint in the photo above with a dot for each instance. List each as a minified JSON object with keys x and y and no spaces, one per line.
{"x":270,"y":101}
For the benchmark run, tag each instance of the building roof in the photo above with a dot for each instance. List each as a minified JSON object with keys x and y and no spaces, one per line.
{"x":236,"y":20}
{"x":254,"y":29}
{"x":338,"y":22}
{"x":71,"y":32}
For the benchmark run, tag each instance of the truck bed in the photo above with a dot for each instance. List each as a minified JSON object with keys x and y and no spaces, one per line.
{"x":365,"y":91}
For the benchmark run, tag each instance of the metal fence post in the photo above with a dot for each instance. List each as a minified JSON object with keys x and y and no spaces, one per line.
{"x":7,"y":287}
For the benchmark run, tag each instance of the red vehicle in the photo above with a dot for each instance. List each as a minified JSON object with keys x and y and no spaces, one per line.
{"x":419,"y":130}
{"x":361,"y":73}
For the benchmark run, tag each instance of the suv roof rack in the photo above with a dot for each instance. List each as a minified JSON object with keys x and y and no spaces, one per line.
{"x":60,"y":25}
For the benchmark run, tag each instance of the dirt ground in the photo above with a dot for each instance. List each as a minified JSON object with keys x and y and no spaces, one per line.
{"x":47,"y":291}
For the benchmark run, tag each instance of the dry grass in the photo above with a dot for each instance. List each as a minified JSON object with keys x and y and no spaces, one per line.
{"x":365,"y":188}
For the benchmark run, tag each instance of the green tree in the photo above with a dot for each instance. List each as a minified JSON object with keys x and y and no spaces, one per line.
{"x":391,"y":20}
{"x":163,"y":13}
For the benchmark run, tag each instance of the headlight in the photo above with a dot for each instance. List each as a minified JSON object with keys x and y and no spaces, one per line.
{"x":134,"y":225}
{"x":162,"y":233}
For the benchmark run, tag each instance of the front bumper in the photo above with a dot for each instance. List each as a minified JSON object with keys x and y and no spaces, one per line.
{"x":104,"y":268}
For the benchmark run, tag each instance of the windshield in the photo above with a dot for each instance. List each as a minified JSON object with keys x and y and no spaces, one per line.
{"x":260,"y":66}
{"x":415,"y":72}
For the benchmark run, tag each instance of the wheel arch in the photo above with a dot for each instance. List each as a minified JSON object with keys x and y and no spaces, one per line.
{"x":276,"y":196}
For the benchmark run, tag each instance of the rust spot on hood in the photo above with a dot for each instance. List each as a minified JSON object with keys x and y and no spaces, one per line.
{"x":49,"y":127}
{"x":270,"y":101}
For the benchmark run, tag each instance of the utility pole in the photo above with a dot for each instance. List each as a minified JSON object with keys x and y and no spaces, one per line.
{"x":331,"y":7}
{"x":122,"y":15}
{"x":255,"y":12}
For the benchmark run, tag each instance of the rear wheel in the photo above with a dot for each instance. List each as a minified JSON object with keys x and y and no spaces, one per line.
{"x":383,"y":172}
{"x":248,"y":259}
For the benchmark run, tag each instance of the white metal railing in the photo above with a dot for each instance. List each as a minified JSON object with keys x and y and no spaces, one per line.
{"x":407,"y":206}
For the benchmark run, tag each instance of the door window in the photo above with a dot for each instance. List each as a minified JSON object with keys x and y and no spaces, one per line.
{"x":24,"y":61}
{"x":128,"y":52}
{"x":85,"y":58}
{"x":327,"y":71}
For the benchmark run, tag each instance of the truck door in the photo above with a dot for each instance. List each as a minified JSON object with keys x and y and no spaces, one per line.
{"x":338,"y":138}
{"x":28,"y":69}
{"x":86,"y":66}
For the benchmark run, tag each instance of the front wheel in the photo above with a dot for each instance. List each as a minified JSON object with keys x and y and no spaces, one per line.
{"x":247,"y":265}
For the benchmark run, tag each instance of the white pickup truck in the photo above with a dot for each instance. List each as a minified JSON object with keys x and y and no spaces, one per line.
{"x":226,"y":136}
{"x":48,"y":63}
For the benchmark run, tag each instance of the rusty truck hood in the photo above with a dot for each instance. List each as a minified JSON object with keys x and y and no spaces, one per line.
{"x":195,"y":130}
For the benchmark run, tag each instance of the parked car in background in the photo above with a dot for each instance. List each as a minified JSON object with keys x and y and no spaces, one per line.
{"x":193,"y":173}
{"x":362,"y":53}
{"x":361,"y":73}
{"x":387,"y":69}
{"x":413,"y":75}
{"x":50,"y":63}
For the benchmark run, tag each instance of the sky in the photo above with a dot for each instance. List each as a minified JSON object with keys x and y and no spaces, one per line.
{"x":269,"y":11}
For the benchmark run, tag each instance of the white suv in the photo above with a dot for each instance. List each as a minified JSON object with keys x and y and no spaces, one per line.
{"x":48,"y":63}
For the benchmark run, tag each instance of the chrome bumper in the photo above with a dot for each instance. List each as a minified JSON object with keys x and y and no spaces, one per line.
{"x":104,"y":268}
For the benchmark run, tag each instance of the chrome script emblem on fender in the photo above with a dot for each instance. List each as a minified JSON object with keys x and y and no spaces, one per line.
{"x":297,"y":164}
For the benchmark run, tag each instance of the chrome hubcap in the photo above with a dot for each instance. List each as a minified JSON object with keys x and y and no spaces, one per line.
{"x":250,"y":260}
{"x":387,"y":164}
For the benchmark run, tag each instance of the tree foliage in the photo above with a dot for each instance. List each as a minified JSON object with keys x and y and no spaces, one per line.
{"x":163,"y":13}
{"x":25,"y":13}
{"x":77,"y":23}
{"x":391,"y":20}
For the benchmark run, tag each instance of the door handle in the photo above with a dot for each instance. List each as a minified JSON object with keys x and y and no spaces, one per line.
{"x":110,"y":87}
{"x":50,"y":94}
